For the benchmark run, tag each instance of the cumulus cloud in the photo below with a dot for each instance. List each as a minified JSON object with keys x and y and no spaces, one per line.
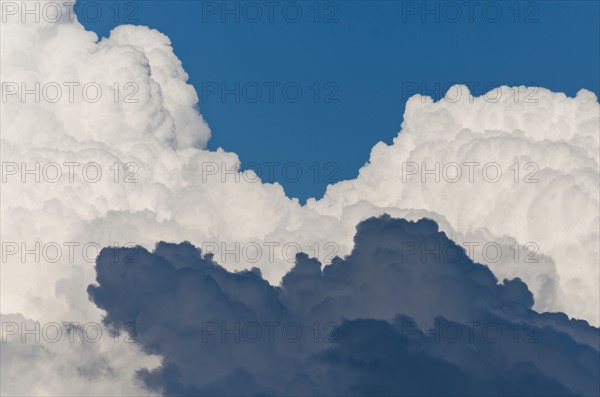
{"x":68,"y":358}
{"x":546,"y":152}
{"x":402,"y":324}
{"x":145,"y":128}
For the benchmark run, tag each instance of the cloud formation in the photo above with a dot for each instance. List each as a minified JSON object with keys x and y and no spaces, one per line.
{"x":401,"y":324}
{"x":145,"y":127}
{"x":180,"y":195}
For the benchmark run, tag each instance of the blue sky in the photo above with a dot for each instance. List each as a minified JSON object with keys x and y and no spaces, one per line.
{"x":355,"y":63}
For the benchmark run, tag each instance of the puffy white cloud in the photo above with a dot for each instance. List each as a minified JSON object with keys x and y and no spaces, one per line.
{"x":68,"y":359}
{"x":547,"y":195}
{"x":183,"y":193}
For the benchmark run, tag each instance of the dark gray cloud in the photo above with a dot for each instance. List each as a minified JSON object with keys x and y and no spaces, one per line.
{"x":401,"y":315}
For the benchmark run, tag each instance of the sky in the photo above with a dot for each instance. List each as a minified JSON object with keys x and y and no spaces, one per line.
{"x":455,"y":251}
{"x":356,"y":63}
